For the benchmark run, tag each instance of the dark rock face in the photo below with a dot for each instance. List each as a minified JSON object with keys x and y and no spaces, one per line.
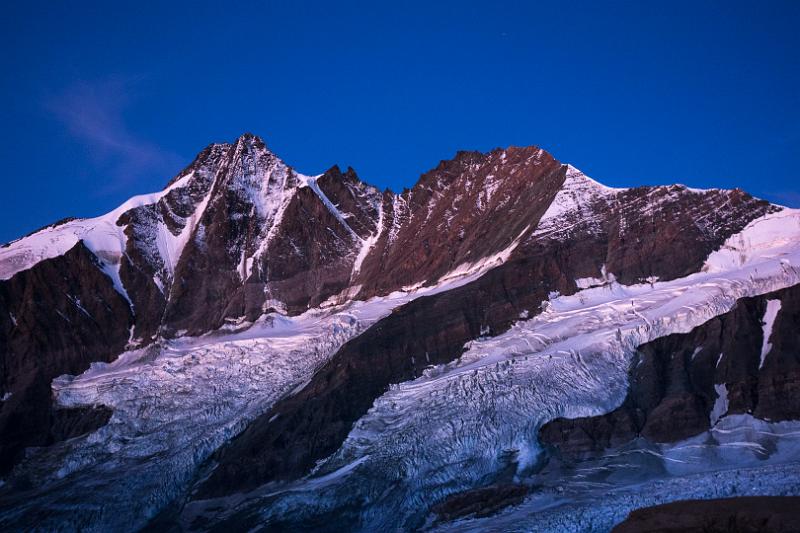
{"x":56,"y":318}
{"x":315,"y":258}
{"x":145,"y":271}
{"x":651,"y":224}
{"x":672,"y":389}
{"x":358,"y":202}
{"x":753,"y":514}
{"x":209,"y":273}
{"x":265,"y":241}
{"x":69,"y":423}
{"x":481,"y":502}
{"x":642,"y":233}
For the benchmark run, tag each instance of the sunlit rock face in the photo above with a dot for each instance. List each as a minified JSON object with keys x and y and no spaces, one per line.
{"x":252,"y":347}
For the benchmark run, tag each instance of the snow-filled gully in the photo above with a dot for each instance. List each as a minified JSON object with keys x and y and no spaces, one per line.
{"x":456,"y":426}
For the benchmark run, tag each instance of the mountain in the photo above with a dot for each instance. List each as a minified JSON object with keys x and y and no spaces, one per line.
{"x":254,"y":346}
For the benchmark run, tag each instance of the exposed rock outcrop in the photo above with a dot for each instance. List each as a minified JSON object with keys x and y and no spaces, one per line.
{"x":481,"y":502}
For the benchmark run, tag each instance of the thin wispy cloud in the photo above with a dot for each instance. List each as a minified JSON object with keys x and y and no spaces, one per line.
{"x":93,"y":113}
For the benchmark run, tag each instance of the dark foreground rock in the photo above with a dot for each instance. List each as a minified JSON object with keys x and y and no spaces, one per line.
{"x":752,"y":514}
{"x":481,"y":502}
{"x":73,"y":422}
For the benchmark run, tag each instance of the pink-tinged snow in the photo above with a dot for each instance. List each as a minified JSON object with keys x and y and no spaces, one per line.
{"x":604,"y":279}
{"x":479,"y":415}
{"x":101,"y":235}
{"x":766,"y":237}
{"x":311,"y":182}
{"x":170,"y":246}
{"x":368,"y":243}
{"x":274,"y":197}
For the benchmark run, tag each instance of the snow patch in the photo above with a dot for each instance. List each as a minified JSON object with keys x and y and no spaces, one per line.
{"x":483,"y":265}
{"x":774,"y":233}
{"x":311,"y":182}
{"x":101,"y":235}
{"x":112,"y":271}
{"x":605,"y":279}
{"x":720,"y":408}
{"x":368,"y":243}
{"x":773,"y":307}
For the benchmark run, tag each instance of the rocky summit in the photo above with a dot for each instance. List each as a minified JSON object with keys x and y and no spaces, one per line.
{"x":507,"y":344}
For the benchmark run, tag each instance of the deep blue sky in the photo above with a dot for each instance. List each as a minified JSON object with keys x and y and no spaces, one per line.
{"x":101,"y":101}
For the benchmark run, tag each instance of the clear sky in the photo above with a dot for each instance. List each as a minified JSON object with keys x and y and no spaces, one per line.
{"x":101,"y":101}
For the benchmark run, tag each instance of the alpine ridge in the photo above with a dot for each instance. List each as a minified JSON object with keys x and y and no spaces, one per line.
{"x":252,"y":347}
